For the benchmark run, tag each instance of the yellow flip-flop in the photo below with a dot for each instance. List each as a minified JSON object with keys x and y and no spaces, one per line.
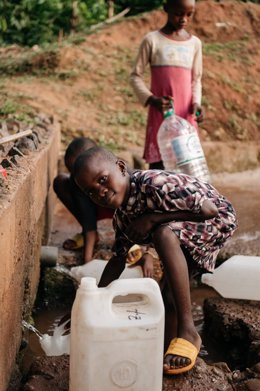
{"x":74,"y":243}
{"x":181,"y":347}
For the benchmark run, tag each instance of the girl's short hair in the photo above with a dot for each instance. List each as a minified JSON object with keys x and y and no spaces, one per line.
{"x":97,"y":152}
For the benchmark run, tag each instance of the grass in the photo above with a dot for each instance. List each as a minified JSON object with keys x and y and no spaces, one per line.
{"x":235,"y":51}
{"x":15,"y":109}
{"x":235,"y":86}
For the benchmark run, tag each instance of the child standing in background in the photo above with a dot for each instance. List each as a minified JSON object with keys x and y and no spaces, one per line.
{"x":175,"y":58}
{"x":187,"y":221}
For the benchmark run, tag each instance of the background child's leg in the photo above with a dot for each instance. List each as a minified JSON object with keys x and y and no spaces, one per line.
{"x":176,"y":272}
{"x":156,"y":166}
{"x":82,"y":209}
{"x":64,"y":191}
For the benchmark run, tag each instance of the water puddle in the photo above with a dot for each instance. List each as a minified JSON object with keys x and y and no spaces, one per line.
{"x":46,"y":322}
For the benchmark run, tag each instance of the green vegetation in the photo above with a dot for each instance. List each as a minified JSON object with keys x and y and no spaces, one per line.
{"x":30,"y":22}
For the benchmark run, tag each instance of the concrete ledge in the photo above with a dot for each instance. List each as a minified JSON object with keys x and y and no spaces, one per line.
{"x":25,"y":221}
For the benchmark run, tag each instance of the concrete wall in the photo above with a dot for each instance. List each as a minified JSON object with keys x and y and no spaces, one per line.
{"x":25,"y":221}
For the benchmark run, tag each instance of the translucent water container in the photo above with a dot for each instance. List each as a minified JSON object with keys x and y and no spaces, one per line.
{"x":180,"y":147}
{"x":117,"y":336}
{"x":236,"y":278}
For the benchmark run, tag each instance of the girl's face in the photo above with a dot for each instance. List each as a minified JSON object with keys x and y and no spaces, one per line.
{"x":180,"y":13}
{"x":105,"y":182}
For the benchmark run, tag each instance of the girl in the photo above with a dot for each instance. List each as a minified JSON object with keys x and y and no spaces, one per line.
{"x":186,"y":220}
{"x":175,"y":58}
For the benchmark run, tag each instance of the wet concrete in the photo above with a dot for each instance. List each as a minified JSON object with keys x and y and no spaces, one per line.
{"x":243,"y":190}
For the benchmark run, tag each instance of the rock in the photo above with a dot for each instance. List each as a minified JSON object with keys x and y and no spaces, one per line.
{"x":234,"y":326}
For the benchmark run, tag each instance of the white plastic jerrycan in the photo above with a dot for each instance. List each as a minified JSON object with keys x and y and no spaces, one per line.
{"x":236,"y":278}
{"x":95,"y":269}
{"x":117,"y":336}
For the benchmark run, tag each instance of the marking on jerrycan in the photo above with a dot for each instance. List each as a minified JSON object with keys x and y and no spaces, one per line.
{"x":124,"y":373}
{"x":136,"y":314}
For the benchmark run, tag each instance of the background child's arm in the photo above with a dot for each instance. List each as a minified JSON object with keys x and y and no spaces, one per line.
{"x":112,"y":271}
{"x":196,"y":83}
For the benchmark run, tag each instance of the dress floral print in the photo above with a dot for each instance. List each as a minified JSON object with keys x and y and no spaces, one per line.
{"x":162,"y":191}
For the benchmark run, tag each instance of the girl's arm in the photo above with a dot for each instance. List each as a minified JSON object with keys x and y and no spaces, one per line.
{"x":137,"y":75}
{"x":147,"y":222}
{"x":196,"y":82}
{"x":112,"y":271}
{"x":208,"y":211}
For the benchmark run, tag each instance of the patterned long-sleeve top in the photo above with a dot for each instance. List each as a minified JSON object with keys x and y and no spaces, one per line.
{"x":162,"y":191}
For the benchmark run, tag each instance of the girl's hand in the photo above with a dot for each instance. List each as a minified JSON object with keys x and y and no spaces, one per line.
{"x":140,"y":228}
{"x":198,"y":112}
{"x":162,"y":104}
{"x":147,"y":265}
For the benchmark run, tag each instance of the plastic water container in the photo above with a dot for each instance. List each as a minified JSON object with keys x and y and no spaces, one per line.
{"x":236,"y":278}
{"x":95,"y":269}
{"x":180,"y":147}
{"x":117,"y":336}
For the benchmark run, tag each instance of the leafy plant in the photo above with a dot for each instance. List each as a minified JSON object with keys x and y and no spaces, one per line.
{"x":30,"y":22}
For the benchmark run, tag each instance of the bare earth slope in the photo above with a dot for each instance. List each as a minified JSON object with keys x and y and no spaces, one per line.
{"x":87,"y":85}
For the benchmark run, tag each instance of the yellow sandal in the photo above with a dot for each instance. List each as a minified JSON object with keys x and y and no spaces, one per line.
{"x":181,"y":347}
{"x":74,"y":243}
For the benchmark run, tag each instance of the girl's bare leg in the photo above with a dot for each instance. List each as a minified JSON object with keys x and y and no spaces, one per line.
{"x":176,"y":271}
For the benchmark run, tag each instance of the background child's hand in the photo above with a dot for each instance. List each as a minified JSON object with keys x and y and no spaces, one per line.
{"x":198,"y":112}
{"x":162,"y":104}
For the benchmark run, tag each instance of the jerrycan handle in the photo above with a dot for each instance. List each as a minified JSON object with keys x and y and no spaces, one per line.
{"x":142,"y":286}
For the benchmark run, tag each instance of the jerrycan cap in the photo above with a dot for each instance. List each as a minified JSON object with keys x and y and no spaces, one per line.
{"x":207,"y":278}
{"x":88,"y":283}
{"x":168,"y":113}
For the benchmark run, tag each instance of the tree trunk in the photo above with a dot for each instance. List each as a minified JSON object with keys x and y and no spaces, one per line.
{"x":110,"y":8}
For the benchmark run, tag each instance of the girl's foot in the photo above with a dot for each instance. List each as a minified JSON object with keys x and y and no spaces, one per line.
{"x":181,"y":354}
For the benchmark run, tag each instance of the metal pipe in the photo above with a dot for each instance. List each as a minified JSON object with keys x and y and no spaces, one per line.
{"x":49,"y":256}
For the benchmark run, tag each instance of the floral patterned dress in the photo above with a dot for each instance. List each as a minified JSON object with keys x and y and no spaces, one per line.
{"x":163,"y":191}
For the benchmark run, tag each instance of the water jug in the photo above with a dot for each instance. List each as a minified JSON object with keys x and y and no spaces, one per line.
{"x":236,"y":278}
{"x":180,"y":147}
{"x":95,"y":269}
{"x":117,"y":336}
